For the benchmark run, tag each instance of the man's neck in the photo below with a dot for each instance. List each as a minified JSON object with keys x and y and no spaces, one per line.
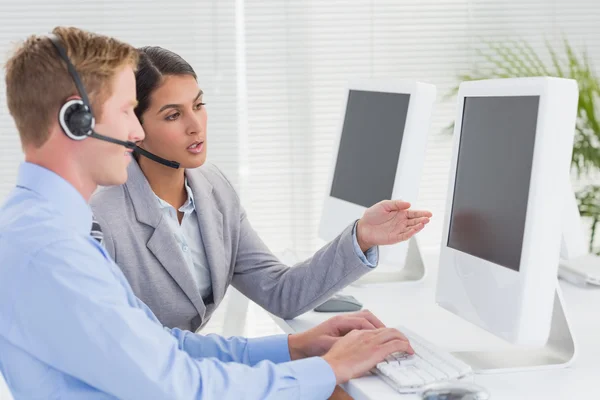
{"x":167,"y":183}
{"x":66,"y":169}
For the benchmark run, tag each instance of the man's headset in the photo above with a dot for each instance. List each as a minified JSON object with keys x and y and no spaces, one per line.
{"x":77,"y":120}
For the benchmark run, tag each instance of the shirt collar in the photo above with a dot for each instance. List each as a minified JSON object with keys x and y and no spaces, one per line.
{"x":69,"y":203}
{"x":189,"y":204}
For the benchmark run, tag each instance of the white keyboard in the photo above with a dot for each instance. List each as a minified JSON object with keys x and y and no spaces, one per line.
{"x":411,"y":373}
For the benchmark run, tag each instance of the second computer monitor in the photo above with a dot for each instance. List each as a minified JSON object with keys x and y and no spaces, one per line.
{"x":502,"y":232}
{"x":379,"y":154}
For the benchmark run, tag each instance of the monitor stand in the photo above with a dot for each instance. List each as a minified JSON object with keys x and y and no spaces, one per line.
{"x":558,"y":352}
{"x":412,"y":272}
{"x":578,"y":265}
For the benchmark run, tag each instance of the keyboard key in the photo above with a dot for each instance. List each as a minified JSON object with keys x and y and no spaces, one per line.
{"x":404,"y":359}
{"x":424,"y":373}
{"x":406,"y":377}
{"x":431,"y":370}
{"x":385,"y":368}
{"x":450,"y":370}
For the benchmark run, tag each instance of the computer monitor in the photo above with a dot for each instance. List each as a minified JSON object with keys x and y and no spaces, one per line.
{"x":379,"y":155}
{"x":503,"y":225}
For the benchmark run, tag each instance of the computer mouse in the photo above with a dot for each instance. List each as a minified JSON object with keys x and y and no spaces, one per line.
{"x":454,"y":391}
{"x":340,"y":303}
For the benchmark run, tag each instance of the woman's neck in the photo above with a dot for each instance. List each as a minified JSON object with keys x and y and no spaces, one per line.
{"x":166,"y":182}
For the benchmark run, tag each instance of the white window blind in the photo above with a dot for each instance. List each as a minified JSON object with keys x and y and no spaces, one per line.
{"x":301,"y":54}
{"x":274,"y":73}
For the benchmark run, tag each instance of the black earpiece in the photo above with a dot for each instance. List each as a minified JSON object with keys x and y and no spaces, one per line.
{"x":75,"y":116}
{"x":76,"y":120}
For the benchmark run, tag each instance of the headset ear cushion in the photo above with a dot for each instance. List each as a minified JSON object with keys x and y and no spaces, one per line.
{"x":76,"y":120}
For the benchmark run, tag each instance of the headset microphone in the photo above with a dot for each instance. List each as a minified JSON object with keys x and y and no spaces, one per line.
{"x":77,"y":120}
{"x":129,"y":145}
{"x":154,"y":157}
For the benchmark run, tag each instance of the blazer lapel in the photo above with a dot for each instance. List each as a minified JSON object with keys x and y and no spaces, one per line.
{"x":210,"y":221}
{"x":162,"y":242}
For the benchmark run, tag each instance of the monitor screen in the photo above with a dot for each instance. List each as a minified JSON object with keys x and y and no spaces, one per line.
{"x":370,"y":143}
{"x":493,"y":173}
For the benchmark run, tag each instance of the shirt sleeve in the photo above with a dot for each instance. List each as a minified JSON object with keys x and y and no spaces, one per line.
{"x":77,"y":317}
{"x":371,"y":257}
{"x":234,"y":349}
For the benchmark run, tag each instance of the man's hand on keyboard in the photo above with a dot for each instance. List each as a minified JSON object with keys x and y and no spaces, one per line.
{"x":429,"y":364}
{"x":317,"y":341}
{"x":359,"y":351}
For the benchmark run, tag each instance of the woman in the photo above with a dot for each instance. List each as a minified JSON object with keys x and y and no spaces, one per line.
{"x":181,"y":236}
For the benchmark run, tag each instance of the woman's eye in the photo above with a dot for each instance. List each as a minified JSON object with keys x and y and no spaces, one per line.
{"x":199,"y":105}
{"x":172,"y":117}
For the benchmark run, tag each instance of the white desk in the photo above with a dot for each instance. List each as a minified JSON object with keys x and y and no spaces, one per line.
{"x":413,"y":306}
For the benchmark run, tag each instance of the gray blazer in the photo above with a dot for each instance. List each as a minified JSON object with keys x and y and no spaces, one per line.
{"x":140,"y":242}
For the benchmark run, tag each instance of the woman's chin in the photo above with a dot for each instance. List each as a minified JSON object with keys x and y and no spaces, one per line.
{"x":194,"y":161}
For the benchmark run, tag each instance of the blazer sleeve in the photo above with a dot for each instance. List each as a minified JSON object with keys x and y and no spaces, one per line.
{"x":290,"y":291}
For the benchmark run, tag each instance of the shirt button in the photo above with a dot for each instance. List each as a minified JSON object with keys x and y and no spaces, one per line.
{"x":185,"y":248}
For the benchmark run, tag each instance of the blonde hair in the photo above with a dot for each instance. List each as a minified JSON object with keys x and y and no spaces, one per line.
{"x":38,"y":82}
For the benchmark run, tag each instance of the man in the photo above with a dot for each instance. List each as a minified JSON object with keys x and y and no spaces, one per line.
{"x":70,"y":325}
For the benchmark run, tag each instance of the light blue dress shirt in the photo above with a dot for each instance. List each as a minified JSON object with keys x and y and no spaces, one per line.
{"x":189,"y":237}
{"x":72,"y":328}
{"x":187,"y":234}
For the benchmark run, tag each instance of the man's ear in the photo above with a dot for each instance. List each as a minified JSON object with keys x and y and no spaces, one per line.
{"x":73,"y":97}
